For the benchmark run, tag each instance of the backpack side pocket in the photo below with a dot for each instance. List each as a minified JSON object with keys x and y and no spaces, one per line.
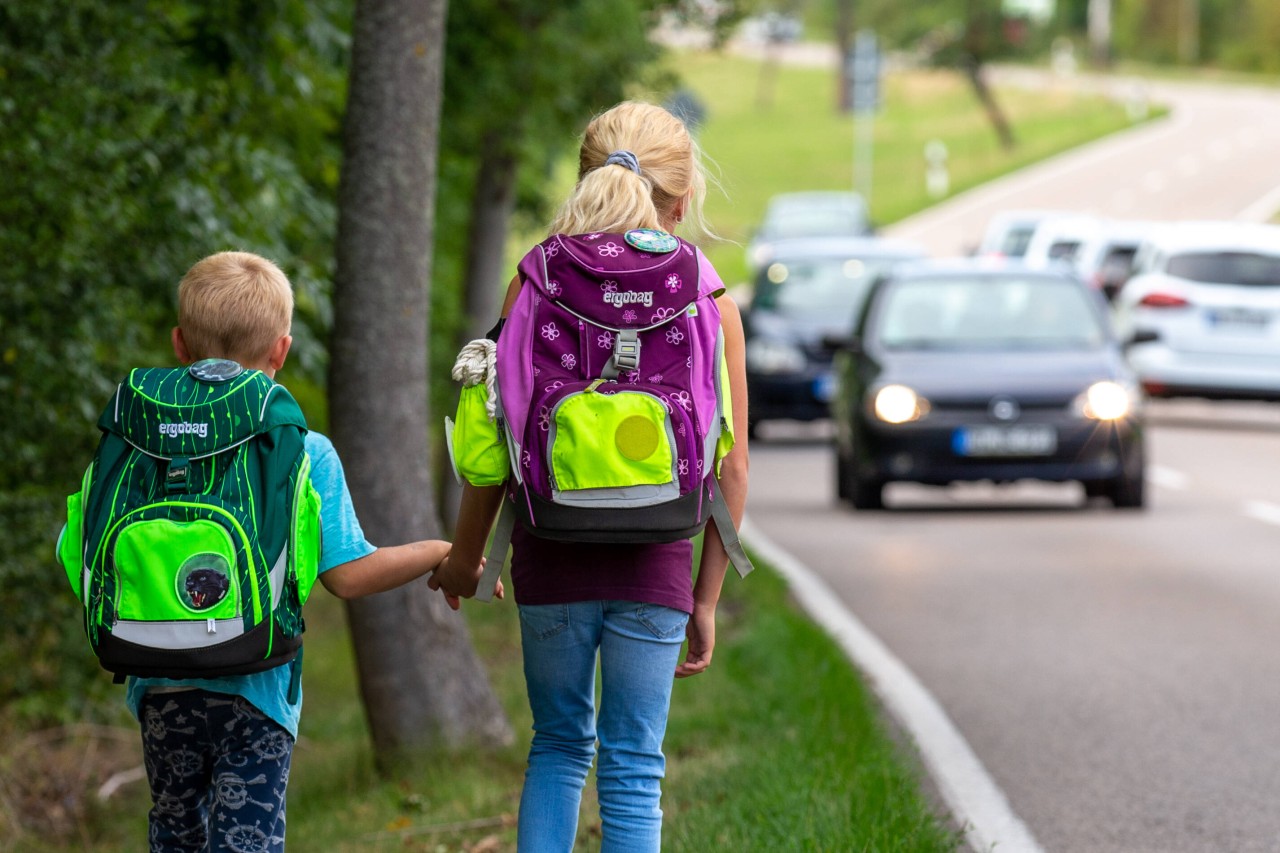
{"x":71,"y":542}
{"x":306,"y":533}
{"x":476,"y":445}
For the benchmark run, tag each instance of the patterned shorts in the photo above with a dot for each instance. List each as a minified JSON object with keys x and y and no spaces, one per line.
{"x":218,"y":769}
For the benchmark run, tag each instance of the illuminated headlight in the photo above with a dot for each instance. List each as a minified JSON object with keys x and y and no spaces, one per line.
{"x":1107,"y":401}
{"x":898,"y":404}
{"x":773,"y":356}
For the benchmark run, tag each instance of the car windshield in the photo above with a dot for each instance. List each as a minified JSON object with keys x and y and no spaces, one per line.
{"x":1247,"y":268}
{"x":817,"y":289}
{"x":1016,"y":239}
{"x":991,"y":313}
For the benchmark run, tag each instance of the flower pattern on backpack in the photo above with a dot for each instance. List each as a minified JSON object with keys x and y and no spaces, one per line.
{"x":610,"y":249}
{"x":568,"y":361}
{"x":629,"y":316}
{"x":605,"y":340}
{"x":674,"y":336}
{"x":674,"y":283}
{"x":550,"y":332}
{"x":663,"y":314}
{"x":609,"y":286}
{"x":554,"y":288}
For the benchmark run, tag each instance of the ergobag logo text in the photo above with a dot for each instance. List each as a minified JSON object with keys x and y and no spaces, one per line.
{"x":194,"y":544}
{"x":615,"y":420}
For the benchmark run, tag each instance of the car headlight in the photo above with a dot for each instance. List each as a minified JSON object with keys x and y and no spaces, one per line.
{"x":898,"y":404}
{"x":1107,"y":401}
{"x":765,"y":355}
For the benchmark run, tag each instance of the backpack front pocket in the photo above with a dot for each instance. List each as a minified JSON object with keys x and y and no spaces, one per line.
{"x":611,"y":447}
{"x":177,"y":572}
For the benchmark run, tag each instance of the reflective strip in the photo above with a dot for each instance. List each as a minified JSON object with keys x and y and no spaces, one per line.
{"x":178,"y":635}
{"x":618,"y":498}
{"x":276,"y":576}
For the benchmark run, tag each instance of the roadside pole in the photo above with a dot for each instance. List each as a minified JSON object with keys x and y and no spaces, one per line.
{"x":864,"y":83}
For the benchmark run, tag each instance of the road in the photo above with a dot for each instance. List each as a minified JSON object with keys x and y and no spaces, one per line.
{"x":1116,"y":673}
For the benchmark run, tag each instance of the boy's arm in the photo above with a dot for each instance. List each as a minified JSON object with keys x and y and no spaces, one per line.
{"x":385,"y":568}
{"x":701,"y":631}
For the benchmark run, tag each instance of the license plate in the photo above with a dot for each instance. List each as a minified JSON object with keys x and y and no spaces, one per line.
{"x":1238,"y":319}
{"x":1029,"y":440}
{"x":824,"y":387}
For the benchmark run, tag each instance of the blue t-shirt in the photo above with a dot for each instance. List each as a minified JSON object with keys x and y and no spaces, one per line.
{"x":342,"y":542}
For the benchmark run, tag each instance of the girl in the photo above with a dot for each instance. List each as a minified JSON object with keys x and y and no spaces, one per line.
{"x":629,"y":605}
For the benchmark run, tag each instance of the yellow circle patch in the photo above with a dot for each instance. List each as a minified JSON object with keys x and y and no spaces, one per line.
{"x":636,"y":438}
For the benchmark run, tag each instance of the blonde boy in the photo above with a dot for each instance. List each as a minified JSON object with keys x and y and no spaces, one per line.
{"x":217,"y":751}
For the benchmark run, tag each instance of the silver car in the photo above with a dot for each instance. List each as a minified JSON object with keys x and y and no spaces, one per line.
{"x":1202,"y":311}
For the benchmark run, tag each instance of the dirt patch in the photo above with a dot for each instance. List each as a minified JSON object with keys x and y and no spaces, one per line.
{"x":55,"y":782}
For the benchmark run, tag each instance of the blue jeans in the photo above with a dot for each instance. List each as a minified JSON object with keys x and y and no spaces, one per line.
{"x":218,"y":769}
{"x":639,"y":647}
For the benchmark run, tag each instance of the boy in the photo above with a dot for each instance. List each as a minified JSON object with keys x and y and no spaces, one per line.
{"x":217,"y":751}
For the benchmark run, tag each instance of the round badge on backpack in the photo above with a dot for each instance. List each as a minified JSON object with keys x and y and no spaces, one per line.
{"x":215,"y":370}
{"x":203,"y":581}
{"x":651,"y":240}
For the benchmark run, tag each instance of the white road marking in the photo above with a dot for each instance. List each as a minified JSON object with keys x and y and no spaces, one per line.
{"x":1167,"y":478}
{"x":969,"y":791}
{"x":1263,"y":511}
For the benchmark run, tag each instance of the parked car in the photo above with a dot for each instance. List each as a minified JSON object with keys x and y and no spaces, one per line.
{"x":1058,"y":239}
{"x":807,"y":214}
{"x":809,"y":289}
{"x":984,"y":370}
{"x":1202,"y":311}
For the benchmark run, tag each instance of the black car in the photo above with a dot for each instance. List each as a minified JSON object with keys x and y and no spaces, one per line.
{"x":809,"y":290}
{"x":982,"y":370}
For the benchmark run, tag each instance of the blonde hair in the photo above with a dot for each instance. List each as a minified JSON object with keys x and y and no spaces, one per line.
{"x":234,"y":305}
{"x":611,"y":197}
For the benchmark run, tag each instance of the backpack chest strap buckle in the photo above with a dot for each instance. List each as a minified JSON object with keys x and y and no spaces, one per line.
{"x":177,"y":476}
{"x":626,"y":355}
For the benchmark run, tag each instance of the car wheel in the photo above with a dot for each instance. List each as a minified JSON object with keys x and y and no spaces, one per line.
{"x":865,"y":493}
{"x":1128,"y":491}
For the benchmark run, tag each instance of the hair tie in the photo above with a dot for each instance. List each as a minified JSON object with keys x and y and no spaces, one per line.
{"x":625,"y":159}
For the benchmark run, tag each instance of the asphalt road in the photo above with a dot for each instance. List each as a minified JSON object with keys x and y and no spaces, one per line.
{"x":1117,"y":673}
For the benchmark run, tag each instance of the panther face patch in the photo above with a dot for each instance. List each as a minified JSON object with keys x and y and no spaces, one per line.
{"x":203,"y":581}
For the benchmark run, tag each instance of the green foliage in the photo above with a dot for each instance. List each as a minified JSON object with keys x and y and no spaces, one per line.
{"x":139,"y":137}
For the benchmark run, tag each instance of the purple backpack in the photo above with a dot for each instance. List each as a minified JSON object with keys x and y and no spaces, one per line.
{"x":613,"y":395}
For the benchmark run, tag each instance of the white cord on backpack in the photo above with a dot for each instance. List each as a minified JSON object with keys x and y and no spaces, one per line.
{"x":477,"y":363}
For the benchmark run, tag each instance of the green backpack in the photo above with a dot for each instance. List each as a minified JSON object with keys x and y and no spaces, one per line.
{"x":195,"y":537}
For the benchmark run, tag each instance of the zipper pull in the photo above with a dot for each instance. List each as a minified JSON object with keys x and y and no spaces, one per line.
{"x":211,"y":626}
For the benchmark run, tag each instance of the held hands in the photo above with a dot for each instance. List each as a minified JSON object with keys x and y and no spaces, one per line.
{"x":456,"y":582}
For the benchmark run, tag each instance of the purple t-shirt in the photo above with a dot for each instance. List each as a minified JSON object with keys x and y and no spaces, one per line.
{"x":545,"y":571}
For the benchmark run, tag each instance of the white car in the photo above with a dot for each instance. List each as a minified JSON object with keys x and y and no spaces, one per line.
{"x":1202,"y":311}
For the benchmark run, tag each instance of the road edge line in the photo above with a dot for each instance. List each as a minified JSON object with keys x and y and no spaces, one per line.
{"x":976,"y":803}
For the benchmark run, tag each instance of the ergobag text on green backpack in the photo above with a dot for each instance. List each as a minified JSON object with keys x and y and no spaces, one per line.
{"x":194,"y":539}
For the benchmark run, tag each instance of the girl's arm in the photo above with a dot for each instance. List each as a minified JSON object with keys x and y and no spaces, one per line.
{"x":733,"y":485}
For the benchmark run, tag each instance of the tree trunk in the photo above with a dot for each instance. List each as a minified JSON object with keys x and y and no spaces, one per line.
{"x":491,"y":208}
{"x":973,"y":70}
{"x":420,"y":681}
{"x":485,"y":277}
